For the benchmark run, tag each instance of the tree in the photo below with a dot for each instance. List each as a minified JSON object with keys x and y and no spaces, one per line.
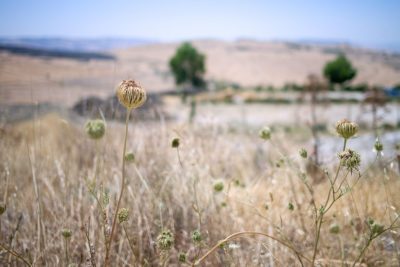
{"x":187,"y":66}
{"x":339,"y":71}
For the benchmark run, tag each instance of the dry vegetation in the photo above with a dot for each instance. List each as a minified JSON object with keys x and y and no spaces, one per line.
{"x":46,"y":165}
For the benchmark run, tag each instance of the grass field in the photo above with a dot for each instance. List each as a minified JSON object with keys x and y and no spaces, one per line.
{"x":221,"y":180}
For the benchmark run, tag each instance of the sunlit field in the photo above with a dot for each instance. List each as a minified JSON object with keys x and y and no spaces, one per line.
{"x":60,"y":191}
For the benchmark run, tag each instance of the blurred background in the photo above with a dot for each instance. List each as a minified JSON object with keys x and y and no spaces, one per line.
{"x":235,"y":62}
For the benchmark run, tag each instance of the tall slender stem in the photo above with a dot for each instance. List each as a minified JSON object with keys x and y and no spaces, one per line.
{"x":114,"y":223}
{"x":66,"y":251}
{"x":320,"y":217}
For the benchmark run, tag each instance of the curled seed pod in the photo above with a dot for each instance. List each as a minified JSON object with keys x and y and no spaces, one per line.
{"x":218,"y":186}
{"x":182,"y":257}
{"x":334,"y":228}
{"x":378,"y":146}
{"x":346,"y":129}
{"x":175,"y":143}
{"x":130,"y":157}
{"x":165,"y":240}
{"x":66,"y":233}
{"x":265,"y":133}
{"x":95,"y":128}
{"x":196,"y":236}
{"x":350,"y":159}
{"x":123,"y":215}
{"x":2,"y":208}
{"x":130,"y":94}
{"x":303,"y":153}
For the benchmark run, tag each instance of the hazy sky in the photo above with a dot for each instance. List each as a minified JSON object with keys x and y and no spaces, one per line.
{"x":365,"y":22}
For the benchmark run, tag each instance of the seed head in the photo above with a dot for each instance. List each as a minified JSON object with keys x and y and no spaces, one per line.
{"x":303,"y":153}
{"x":334,"y":228}
{"x":265,"y":133}
{"x":165,"y":240}
{"x":346,"y":129}
{"x":196,"y":236}
{"x":182,"y":257}
{"x":377,"y":228}
{"x":130,"y":94}
{"x":378,"y":146}
{"x":397,"y":146}
{"x":123,"y":215}
{"x":370,"y":221}
{"x":2,"y":208}
{"x":130,"y":157}
{"x":66,"y":233}
{"x":175,"y":143}
{"x":350,"y":159}
{"x":95,"y":128}
{"x":218,"y":186}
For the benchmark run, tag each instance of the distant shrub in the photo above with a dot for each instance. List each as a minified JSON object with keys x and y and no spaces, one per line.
{"x":188,"y":66}
{"x":339,"y":70}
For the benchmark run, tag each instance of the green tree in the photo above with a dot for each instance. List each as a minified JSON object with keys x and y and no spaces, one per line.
{"x":339,"y":70}
{"x":188,"y":66}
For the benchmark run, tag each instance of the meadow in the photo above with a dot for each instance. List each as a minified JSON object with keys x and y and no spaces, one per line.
{"x":196,"y":194}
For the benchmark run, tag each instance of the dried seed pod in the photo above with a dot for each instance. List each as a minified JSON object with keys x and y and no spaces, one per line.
{"x":130,"y":94}
{"x":123,"y":215}
{"x":346,"y":129}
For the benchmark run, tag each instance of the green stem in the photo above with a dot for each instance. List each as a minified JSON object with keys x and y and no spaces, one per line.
{"x":66,"y":251}
{"x":114,"y":223}
{"x":130,"y":243}
{"x":322,"y":212}
{"x":362,"y":252}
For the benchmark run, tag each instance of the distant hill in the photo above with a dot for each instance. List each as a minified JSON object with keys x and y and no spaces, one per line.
{"x":25,"y":78}
{"x":53,"y":53}
{"x":74,"y":44}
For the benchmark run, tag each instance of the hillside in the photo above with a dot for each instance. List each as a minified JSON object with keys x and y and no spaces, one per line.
{"x":27,"y":79}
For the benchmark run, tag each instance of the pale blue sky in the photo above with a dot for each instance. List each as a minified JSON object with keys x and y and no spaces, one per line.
{"x":367,"y":22}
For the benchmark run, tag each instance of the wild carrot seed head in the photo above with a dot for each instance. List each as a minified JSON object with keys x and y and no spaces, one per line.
{"x":346,"y":129}
{"x":165,"y":240}
{"x":123,"y":215}
{"x":66,"y":233}
{"x":130,"y":94}
{"x":2,"y":208}
{"x":95,"y":128}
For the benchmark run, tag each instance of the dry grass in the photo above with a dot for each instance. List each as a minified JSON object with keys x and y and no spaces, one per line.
{"x":161,"y":193}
